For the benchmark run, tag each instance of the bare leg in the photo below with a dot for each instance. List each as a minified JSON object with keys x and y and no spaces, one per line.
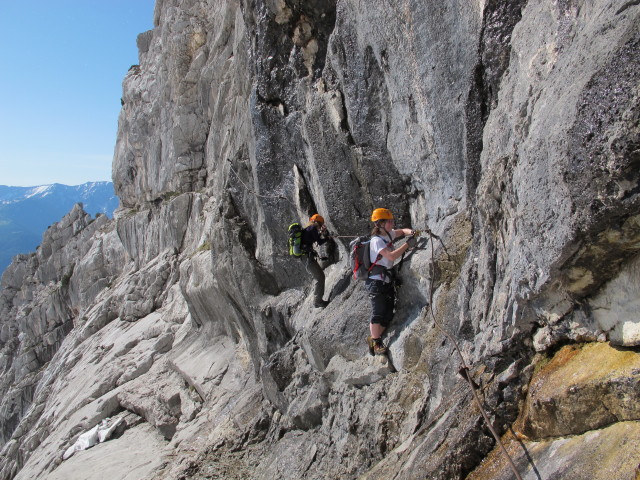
{"x":376,"y":330}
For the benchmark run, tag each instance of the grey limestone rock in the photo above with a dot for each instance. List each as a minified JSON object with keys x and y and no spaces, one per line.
{"x":508,"y":129}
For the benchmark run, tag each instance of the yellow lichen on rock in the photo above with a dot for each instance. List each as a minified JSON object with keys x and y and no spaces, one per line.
{"x":582,"y":388}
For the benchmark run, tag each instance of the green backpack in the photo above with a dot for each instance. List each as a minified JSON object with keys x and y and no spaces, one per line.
{"x":295,"y":240}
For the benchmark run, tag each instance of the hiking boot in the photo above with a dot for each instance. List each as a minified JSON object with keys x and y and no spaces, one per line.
{"x":320,"y":303}
{"x":370,"y":344}
{"x":378,"y":346}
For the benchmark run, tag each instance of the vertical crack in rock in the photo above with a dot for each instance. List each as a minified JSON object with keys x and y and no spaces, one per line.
{"x":494,"y":50}
{"x":303,"y":197}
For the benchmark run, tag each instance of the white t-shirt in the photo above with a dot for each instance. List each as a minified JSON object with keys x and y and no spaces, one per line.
{"x":378,"y":243}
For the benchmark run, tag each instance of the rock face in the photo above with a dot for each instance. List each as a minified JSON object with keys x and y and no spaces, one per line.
{"x":510,"y":129}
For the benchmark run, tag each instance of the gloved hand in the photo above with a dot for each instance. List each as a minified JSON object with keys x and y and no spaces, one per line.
{"x":412,"y":242}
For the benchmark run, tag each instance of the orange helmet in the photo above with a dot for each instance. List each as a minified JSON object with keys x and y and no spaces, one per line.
{"x":381,"y":214}
{"x":317,"y":218}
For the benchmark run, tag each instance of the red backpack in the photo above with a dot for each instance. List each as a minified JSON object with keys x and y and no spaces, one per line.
{"x":360,"y":258}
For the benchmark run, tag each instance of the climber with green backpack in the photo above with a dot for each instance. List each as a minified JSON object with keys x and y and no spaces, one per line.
{"x":381,"y":282}
{"x":301,"y":245}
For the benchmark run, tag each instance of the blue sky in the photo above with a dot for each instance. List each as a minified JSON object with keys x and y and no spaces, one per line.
{"x":63,"y":63}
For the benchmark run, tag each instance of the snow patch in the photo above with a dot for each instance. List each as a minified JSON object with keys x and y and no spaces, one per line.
{"x":42,"y":190}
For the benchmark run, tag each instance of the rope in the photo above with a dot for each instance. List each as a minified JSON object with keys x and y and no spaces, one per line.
{"x":465,"y":369}
{"x":405,"y":18}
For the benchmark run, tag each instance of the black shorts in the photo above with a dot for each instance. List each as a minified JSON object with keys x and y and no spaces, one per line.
{"x":382,"y":296}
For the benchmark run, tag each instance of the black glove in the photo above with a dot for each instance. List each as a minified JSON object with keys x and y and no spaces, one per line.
{"x":412,"y":242}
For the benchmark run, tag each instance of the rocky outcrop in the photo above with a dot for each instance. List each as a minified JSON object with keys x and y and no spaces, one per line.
{"x":509,"y":129}
{"x":567,"y":399}
{"x":573,"y":424}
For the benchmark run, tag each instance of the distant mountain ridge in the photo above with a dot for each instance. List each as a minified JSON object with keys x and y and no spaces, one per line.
{"x":27,"y":212}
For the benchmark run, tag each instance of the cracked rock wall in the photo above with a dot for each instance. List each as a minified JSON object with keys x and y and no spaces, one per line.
{"x":510,"y":129}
